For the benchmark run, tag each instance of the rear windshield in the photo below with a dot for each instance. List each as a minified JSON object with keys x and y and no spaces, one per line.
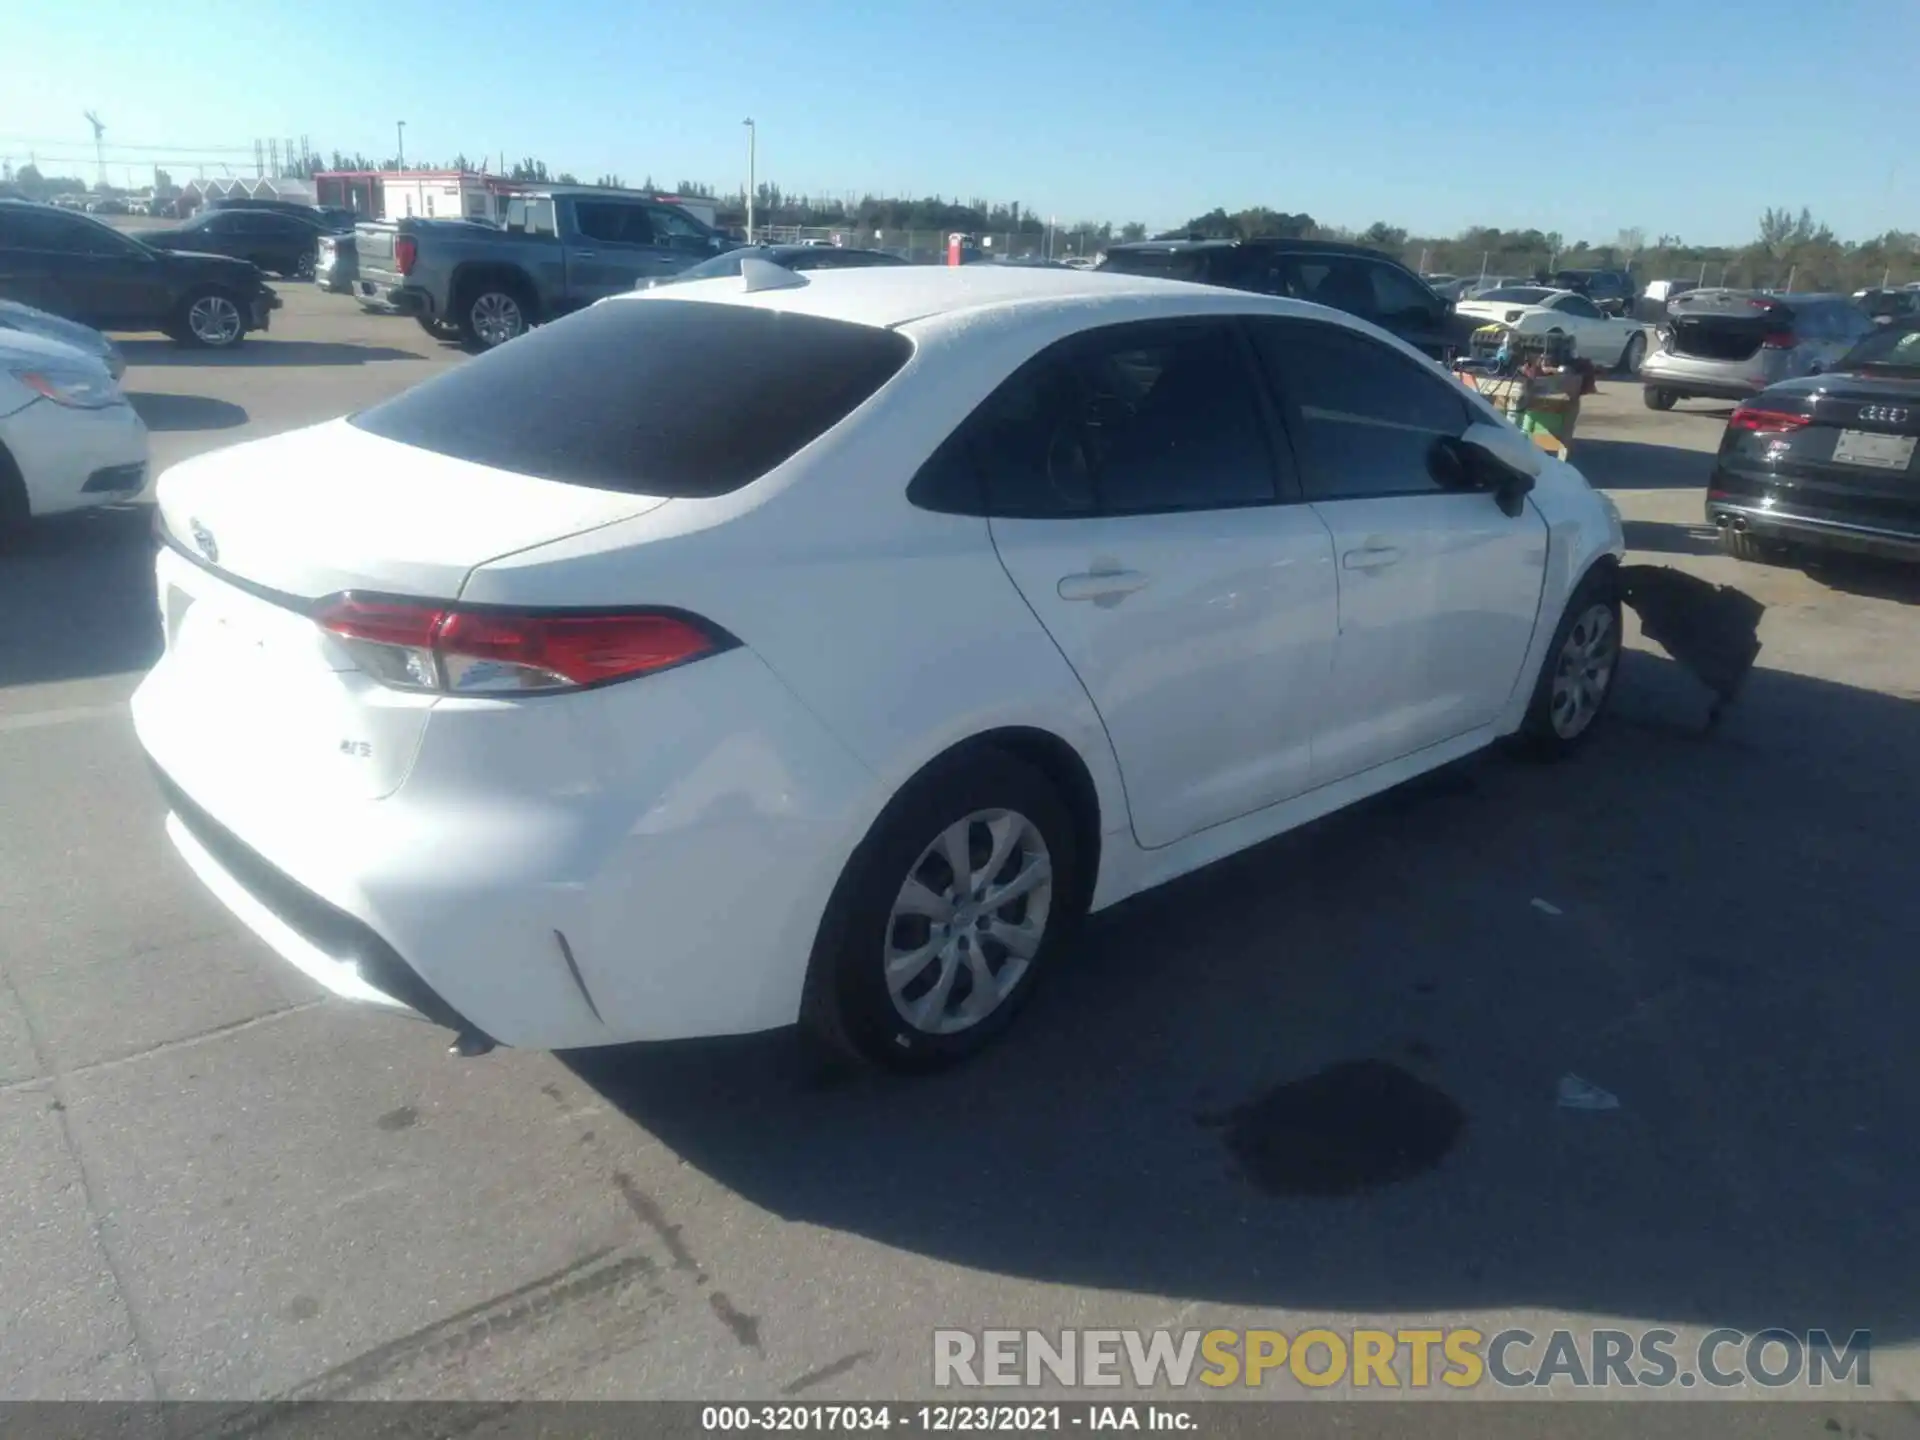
{"x":653,"y":397}
{"x":1167,"y":264}
{"x":1888,"y":348}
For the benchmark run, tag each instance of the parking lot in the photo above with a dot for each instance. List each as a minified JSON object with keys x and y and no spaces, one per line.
{"x":222,"y":1185}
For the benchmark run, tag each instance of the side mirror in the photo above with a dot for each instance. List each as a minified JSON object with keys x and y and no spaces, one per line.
{"x":1470,"y":463}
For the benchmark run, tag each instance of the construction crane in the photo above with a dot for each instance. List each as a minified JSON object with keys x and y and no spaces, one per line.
{"x":99,"y":145}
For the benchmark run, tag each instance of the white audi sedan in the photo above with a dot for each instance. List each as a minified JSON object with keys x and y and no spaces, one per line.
{"x":823,"y":647}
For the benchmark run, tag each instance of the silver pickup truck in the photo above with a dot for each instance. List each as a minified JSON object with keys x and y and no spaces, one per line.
{"x":559,"y":249}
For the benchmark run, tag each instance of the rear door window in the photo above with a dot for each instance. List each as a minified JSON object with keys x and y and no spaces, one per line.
{"x":651,"y":397}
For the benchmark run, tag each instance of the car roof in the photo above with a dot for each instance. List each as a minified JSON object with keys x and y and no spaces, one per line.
{"x":1264,"y":242}
{"x":890,"y":296}
{"x":1547,"y":292}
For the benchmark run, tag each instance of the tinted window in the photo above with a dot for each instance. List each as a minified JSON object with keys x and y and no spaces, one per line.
{"x":1398,"y":296}
{"x":654,"y":397}
{"x":611,"y":223}
{"x":1193,"y":265}
{"x":1577,"y":305}
{"x":671,"y":224}
{"x":22,"y":228}
{"x":1336,"y":281}
{"x":1129,"y":420}
{"x":1515,"y":294}
{"x":1363,"y":417}
{"x":1889,"y":347}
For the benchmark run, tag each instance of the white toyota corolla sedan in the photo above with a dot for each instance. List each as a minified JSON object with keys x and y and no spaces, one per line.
{"x":822,"y":648}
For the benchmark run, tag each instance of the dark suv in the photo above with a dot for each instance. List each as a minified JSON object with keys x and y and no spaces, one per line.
{"x":1611,"y":290}
{"x":1352,"y":278}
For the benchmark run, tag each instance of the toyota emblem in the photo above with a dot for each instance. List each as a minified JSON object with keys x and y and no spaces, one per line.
{"x":203,"y":537}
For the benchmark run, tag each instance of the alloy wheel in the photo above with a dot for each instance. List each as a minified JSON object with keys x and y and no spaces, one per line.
{"x":214,"y":320}
{"x":497,"y":318}
{"x":1584,"y":671}
{"x":968,"y":920}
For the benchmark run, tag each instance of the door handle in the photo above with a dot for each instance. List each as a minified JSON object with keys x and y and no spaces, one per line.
{"x":586,"y":254}
{"x":1371,"y":557}
{"x":1099,"y":585}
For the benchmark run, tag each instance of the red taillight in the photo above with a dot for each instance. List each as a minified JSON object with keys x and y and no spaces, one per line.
{"x":417,"y":645}
{"x":1778,"y":340}
{"x":405,"y":252}
{"x":1766,"y":422}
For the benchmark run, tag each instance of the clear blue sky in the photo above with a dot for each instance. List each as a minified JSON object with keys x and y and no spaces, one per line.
{"x":1686,"y":117}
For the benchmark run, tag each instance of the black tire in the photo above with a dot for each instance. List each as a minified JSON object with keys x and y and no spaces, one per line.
{"x":849,"y":1007}
{"x":1539,"y":734}
{"x":184,"y":331}
{"x":488,"y":297}
{"x":438,"y":328}
{"x":1631,"y":356}
{"x":1657,"y":398}
{"x":15,"y":511}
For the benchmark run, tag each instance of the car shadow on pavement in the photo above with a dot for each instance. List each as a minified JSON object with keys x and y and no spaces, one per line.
{"x":1713,"y":929}
{"x":77,"y":593}
{"x":1666,"y":537}
{"x":1634,"y":465}
{"x":262,"y":350}
{"x":186,"y":412}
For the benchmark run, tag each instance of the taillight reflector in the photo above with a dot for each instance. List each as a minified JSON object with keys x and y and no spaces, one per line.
{"x":405,"y":252}
{"x":418,"y":645}
{"x":1766,"y":422}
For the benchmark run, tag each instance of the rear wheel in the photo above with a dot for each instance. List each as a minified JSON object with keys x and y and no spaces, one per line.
{"x":957,"y":900}
{"x":492,"y":314}
{"x":1658,"y":399}
{"x":14,"y":508}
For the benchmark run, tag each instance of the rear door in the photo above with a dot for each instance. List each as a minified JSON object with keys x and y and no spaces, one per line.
{"x":1438,"y":589}
{"x":32,"y":247}
{"x":1131,"y":480}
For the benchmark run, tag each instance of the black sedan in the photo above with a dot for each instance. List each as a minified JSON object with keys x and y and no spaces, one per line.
{"x":80,"y":269}
{"x":1827,"y":461}
{"x":271,"y":240}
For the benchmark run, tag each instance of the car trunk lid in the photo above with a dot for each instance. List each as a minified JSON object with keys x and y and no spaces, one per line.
{"x":257,"y":534}
{"x":1725,"y":324}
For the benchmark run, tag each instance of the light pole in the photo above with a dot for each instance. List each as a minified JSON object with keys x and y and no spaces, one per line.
{"x":400,"y":129}
{"x":752,"y":137}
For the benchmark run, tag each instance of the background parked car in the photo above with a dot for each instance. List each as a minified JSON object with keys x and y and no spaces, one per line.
{"x":84,"y":338}
{"x":68,"y":437}
{"x":1731,"y":344}
{"x":1886,"y":306}
{"x":77,"y":268}
{"x":560,"y":248}
{"x":1656,"y":295}
{"x":1827,"y":461}
{"x":271,"y":240}
{"x":1612,"y":290}
{"x":1352,"y":278}
{"x":335,"y":265}
{"x":791,"y":257}
{"x":1609,"y":341}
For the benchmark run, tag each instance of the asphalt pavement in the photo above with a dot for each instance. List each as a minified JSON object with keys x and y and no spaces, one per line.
{"x":219,"y":1184}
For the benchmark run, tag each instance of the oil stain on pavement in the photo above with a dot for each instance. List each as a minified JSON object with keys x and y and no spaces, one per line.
{"x":1344,"y":1129}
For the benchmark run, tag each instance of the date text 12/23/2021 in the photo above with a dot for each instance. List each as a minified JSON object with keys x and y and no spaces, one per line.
{"x":945,"y":1419}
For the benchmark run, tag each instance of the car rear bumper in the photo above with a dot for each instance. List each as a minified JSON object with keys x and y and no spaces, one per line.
{"x":71,"y":459}
{"x":391,"y":291}
{"x":541,"y":876}
{"x":1697,"y":389}
{"x":1827,"y":532}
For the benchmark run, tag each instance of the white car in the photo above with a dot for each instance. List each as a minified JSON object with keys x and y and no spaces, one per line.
{"x":821,"y":647}
{"x":68,"y":437}
{"x":1610,"y":342}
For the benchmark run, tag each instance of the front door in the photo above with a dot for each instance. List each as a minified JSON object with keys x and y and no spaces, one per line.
{"x":1135,"y":500}
{"x":611,"y":251}
{"x":1439,"y":589}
